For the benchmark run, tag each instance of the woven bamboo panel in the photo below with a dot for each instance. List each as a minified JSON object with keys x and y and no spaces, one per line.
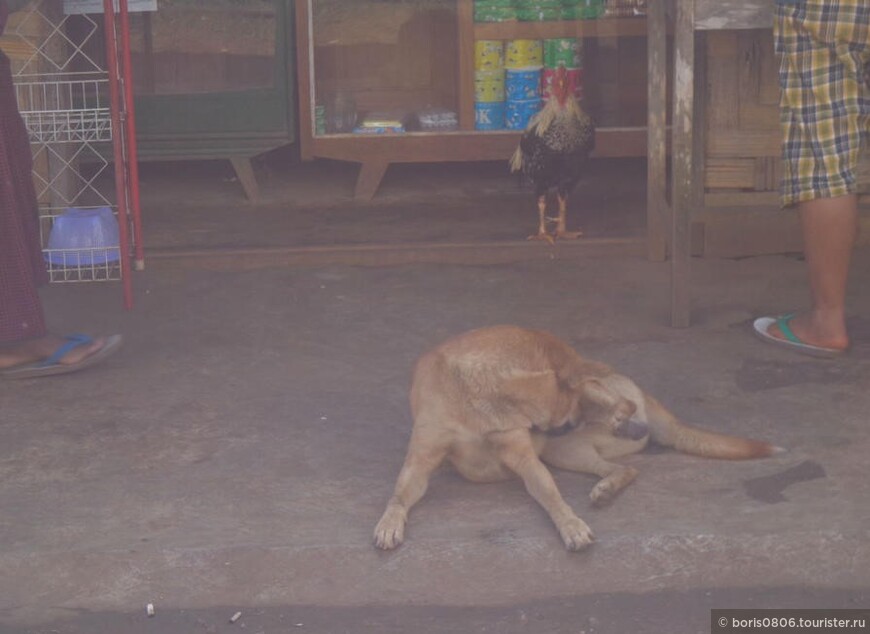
{"x":743,"y":138}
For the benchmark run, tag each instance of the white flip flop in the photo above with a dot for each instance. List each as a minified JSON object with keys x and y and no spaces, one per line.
{"x":763,"y":324}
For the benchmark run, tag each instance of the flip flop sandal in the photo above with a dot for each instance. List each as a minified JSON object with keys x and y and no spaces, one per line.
{"x":762,"y":324}
{"x":52,"y":365}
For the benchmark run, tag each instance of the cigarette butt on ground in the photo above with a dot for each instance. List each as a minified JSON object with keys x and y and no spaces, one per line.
{"x":235,"y":617}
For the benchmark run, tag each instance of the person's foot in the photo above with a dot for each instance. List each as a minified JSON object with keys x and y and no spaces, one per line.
{"x":35,"y":350}
{"x":816,"y":330}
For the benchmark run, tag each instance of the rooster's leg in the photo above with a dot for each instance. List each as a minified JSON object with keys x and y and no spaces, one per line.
{"x":561,"y":231}
{"x":542,"y":221}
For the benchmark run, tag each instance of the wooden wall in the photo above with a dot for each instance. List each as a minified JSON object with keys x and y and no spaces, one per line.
{"x":743,"y":133}
{"x":743,"y":166}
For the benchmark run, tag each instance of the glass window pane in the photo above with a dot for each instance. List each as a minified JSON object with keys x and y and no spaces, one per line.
{"x":379,"y":61}
{"x":202,"y":46}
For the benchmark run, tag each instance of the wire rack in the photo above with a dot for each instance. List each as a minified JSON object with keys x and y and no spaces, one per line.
{"x":71,"y":86}
{"x":66,"y":111}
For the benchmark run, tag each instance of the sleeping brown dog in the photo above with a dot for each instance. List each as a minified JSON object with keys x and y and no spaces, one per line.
{"x":504,"y":400}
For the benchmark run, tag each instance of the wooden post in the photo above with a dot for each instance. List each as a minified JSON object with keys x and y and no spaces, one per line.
{"x":683,"y":157}
{"x":305,"y":67}
{"x":656,"y":203}
{"x":699,"y":144}
{"x":465,"y":20}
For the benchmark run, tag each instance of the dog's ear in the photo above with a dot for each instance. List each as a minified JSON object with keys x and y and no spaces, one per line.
{"x":536,"y":385}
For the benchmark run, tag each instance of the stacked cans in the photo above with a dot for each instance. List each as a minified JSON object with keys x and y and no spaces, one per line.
{"x":568,"y":53}
{"x":489,"y":84}
{"x":545,"y":10}
{"x":582,"y":9}
{"x":524,"y":60}
{"x":494,"y":10}
{"x":512,"y":79}
{"x":538,"y":10}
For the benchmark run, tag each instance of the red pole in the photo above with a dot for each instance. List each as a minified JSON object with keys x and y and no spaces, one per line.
{"x":118,"y":147}
{"x":132,"y":153}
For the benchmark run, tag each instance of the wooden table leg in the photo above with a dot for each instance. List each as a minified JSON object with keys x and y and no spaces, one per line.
{"x":370,"y":175}
{"x":683,"y":157}
{"x":248,"y":179}
{"x":656,"y":203}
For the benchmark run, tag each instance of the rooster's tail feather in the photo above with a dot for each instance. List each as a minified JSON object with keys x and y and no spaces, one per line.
{"x":517,"y":160}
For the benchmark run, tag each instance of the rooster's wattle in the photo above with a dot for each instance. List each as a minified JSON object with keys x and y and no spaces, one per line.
{"x":553,"y":153}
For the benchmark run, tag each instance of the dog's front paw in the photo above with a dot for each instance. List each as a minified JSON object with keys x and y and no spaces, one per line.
{"x":390,"y":531}
{"x":606,"y":489}
{"x":576,"y":534}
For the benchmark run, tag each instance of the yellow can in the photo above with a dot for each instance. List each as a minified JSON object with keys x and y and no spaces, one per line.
{"x":524,"y":53}
{"x":489,"y":86}
{"x":488,"y":55}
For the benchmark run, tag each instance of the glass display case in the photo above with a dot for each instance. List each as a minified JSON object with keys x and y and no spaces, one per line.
{"x":214,"y":79}
{"x":387,"y":81}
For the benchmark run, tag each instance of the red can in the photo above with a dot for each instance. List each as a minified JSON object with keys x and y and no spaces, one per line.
{"x":574,"y":79}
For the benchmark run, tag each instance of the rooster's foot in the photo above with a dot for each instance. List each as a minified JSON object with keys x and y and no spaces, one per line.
{"x":568,"y":235}
{"x":543,"y":235}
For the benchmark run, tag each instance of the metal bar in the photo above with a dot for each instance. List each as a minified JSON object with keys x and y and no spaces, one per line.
{"x":132,"y":150}
{"x":117,"y":143}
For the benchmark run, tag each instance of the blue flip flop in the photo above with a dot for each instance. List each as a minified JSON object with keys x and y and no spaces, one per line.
{"x":52,"y":366}
{"x":791,"y":341}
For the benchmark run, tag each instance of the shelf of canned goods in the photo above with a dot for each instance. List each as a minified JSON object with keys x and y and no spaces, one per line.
{"x":489,"y":66}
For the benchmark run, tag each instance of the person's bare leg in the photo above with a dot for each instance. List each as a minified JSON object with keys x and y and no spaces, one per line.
{"x":829,"y":229}
{"x":33,"y":350}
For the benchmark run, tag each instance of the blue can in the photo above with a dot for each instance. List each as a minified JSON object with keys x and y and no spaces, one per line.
{"x":519,"y":113}
{"x":489,"y":115}
{"x":523,"y":84}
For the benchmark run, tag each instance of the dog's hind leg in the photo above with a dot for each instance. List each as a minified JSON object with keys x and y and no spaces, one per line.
{"x":517,"y":451}
{"x":576,"y":453}
{"x":424,"y":455}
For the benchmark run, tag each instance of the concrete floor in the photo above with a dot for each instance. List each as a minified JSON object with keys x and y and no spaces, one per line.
{"x":237,"y":453}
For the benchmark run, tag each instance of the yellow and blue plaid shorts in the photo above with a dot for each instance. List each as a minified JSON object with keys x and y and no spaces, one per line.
{"x":824,"y":48}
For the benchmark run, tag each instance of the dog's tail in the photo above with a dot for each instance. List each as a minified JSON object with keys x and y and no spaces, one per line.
{"x":669,"y":431}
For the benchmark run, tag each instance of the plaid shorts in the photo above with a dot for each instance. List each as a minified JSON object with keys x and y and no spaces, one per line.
{"x":825,"y":105}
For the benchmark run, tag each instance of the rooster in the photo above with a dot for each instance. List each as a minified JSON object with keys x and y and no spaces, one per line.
{"x":553,"y":152}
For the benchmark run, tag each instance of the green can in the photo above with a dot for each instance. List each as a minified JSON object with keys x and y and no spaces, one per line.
{"x":538,"y":4}
{"x":485,"y":13}
{"x":563,"y":51}
{"x":587,"y":10}
{"x":539,"y":14}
